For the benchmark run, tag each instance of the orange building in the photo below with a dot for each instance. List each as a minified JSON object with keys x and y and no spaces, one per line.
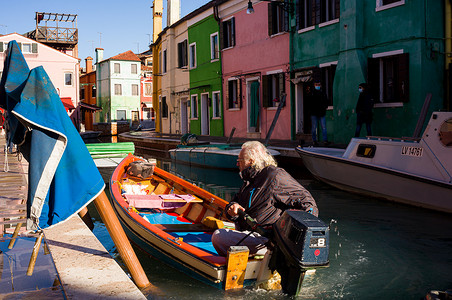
{"x":88,"y":95}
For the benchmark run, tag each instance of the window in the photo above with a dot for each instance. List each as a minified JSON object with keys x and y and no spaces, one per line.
{"x":160,"y":62}
{"x":192,"y":55}
{"x":164,"y":61}
{"x":194,"y":106}
{"x":82,"y":94}
{"x":134,"y":69}
{"x":273,"y":87}
{"x":312,"y":12}
{"x":26,"y":48}
{"x":228,"y":34}
{"x":118,"y":89}
{"x":327,"y":73}
{"x":214,"y":54}
{"x":135,"y":90}
{"x":234,"y":93}
{"x":148,"y":89}
{"x":278,"y":19}
{"x":388,"y":77}
{"x":93,"y":92}
{"x":68,"y":79}
{"x":164,"y":108}
{"x":146,"y":113}
{"x":182,"y":54}
{"x":385,"y":4}
{"x":120,"y":115}
{"x":117,"y":68}
{"x":216,"y":105}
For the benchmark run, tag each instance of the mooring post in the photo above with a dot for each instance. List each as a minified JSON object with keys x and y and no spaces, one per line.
{"x":119,"y":237}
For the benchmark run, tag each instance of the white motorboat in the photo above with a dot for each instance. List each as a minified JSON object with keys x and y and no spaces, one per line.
{"x":407,"y":170}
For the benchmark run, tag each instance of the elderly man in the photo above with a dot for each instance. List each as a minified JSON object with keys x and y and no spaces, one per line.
{"x":266,"y":192}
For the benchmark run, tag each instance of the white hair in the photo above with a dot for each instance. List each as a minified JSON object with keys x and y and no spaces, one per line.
{"x":260,"y":155}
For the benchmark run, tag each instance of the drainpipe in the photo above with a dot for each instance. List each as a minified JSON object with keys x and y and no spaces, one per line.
{"x":448,"y":50}
{"x":293,"y":122}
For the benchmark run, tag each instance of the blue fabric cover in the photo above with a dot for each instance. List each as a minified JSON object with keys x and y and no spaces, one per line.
{"x":63,"y":178}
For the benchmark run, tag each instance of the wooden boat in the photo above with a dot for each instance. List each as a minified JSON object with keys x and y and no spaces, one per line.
{"x":223,"y":156}
{"x":408,"y":170}
{"x":165,"y":219}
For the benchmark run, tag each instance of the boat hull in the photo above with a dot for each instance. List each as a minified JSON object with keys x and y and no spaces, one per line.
{"x":166,"y":244}
{"x":375,"y":181}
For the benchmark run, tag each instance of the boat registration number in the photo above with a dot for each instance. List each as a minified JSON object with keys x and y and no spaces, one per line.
{"x":412,"y":151}
{"x":317,"y":243}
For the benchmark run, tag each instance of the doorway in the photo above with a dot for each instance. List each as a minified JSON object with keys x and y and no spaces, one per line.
{"x":205,"y":114}
{"x":254,"y":117}
{"x":184,"y":128}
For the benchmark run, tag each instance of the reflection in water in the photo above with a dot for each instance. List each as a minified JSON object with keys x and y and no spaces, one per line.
{"x":378,"y":249}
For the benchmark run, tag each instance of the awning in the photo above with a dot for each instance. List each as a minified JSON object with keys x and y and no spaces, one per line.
{"x":67,"y":102}
{"x":146,"y":105}
{"x":90,"y":106}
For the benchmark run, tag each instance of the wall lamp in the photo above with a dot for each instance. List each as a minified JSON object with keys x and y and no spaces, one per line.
{"x":285,"y":5}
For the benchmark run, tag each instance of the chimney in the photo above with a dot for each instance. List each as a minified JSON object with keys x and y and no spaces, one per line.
{"x":89,"y":64}
{"x":173,"y":12}
{"x":157,"y":12}
{"x":99,"y":55}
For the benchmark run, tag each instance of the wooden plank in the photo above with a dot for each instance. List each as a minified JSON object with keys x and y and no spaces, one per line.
{"x":10,"y":214}
{"x":13,"y":207}
{"x":15,"y":221}
{"x":237,"y":262}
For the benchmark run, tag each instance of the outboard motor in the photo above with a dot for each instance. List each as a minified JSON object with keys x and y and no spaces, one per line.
{"x":301,"y":242}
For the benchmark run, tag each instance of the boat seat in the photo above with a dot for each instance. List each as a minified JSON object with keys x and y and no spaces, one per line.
{"x":184,"y":227}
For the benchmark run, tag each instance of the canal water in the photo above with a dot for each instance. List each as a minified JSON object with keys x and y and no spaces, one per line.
{"x":378,"y":249}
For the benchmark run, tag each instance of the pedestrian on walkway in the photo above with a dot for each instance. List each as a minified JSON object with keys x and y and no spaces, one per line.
{"x":317,"y":104}
{"x":364,"y":109}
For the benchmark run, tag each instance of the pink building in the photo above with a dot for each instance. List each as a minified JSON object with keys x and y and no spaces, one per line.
{"x":255,"y":60}
{"x":62,"y":68}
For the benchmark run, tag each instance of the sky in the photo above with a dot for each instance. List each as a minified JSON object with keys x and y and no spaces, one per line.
{"x":116,"y":26}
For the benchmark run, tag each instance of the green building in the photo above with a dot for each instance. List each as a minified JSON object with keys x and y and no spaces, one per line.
{"x":118,"y":87}
{"x":397,"y":47}
{"x":206,"y":99}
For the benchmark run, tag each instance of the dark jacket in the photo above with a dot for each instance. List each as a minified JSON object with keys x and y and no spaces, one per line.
{"x":266,"y":194}
{"x":364,"y":107}
{"x":317,"y":103}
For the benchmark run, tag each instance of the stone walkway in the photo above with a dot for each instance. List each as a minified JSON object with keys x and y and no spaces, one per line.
{"x":85,"y":268}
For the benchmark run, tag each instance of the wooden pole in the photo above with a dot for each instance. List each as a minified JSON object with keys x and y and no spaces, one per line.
{"x":86,"y":218}
{"x":119,"y":237}
{"x":14,"y":237}
{"x":34,"y":255}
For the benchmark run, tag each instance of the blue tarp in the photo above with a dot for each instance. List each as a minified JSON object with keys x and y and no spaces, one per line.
{"x":62,"y":175}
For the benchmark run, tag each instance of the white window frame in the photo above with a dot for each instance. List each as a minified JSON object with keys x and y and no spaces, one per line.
{"x":192,"y":56}
{"x":137,"y":88}
{"x":237,"y":80}
{"x":118,"y":89}
{"x":215,"y":104}
{"x":194,"y":112}
{"x":23,"y":48}
{"x":214,"y":53}
{"x":132,"y":71}
{"x":379,"y":5}
{"x":114,"y":68}
{"x":380,"y":96}
{"x":72,"y":79}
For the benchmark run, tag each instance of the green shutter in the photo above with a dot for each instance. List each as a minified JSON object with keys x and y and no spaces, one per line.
{"x":1,"y":47}
{"x":34,"y":48}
